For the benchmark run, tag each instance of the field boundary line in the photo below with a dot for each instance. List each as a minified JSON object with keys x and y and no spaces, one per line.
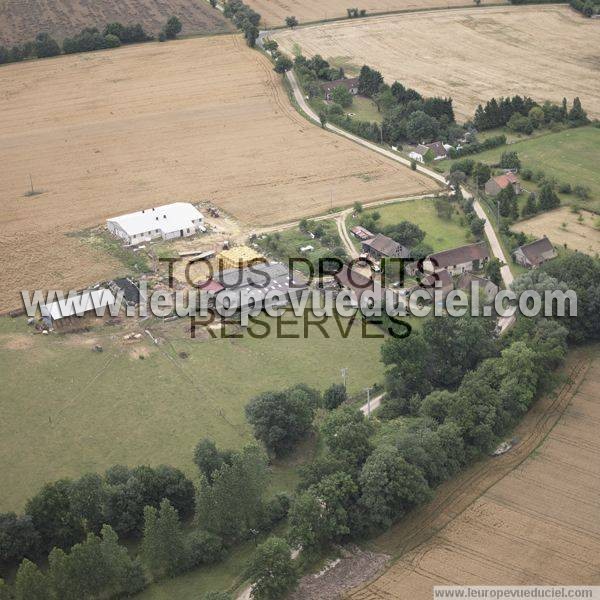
{"x":552,"y":413}
{"x":402,"y":11}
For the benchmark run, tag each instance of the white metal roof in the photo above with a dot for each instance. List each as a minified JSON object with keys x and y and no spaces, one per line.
{"x":167,"y":218}
{"x":79,"y":304}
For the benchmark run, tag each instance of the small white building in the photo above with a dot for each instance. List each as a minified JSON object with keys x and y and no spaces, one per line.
{"x":170,"y":221}
{"x":77,"y":305}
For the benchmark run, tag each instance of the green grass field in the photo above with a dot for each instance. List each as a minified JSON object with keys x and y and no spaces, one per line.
{"x":67,"y":410}
{"x":364,"y":109}
{"x":440,"y":234}
{"x":570,"y":156}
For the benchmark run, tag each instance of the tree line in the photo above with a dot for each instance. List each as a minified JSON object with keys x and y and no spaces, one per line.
{"x":90,"y":38}
{"x":408,"y":116}
{"x":523,"y":114}
{"x":244,"y":18}
{"x":77,"y":524}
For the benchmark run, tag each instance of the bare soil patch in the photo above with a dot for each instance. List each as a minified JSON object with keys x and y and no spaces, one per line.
{"x":22,"y":20}
{"x":342,"y":574}
{"x":470,"y":54}
{"x":565,"y":228}
{"x":274,"y":12}
{"x":194,"y":120}
{"x":529,"y":517}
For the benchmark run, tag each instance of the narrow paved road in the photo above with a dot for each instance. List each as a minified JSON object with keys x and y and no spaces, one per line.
{"x":489,"y":230}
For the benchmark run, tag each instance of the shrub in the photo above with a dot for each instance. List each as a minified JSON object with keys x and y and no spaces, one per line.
{"x":334,"y":396}
{"x":205,"y":548}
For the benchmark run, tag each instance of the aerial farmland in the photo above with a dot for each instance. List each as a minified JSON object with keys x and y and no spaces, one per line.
{"x":433,"y":52}
{"x":273,"y":13}
{"x":404,"y":195}
{"x":112,"y":136}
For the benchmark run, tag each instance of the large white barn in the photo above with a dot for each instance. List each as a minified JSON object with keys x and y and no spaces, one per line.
{"x":179,"y":219}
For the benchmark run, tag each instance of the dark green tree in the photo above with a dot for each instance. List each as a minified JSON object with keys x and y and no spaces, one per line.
{"x":283,"y":64}
{"x":46,"y":46}
{"x":31,"y":583}
{"x":163,"y":545}
{"x":53,"y":516}
{"x":334,"y":396}
{"x":172,"y":28}
{"x":346,"y":433}
{"x":281,"y":419}
{"x":390,"y":486}
{"x":272,"y":570}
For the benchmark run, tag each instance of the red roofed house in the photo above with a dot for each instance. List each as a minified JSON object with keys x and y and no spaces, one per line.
{"x":496,"y":184}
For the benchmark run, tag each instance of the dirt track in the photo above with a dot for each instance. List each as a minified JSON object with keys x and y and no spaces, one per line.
{"x":470,"y":533}
{"x":201,"y":119}
{"x":469,"y":54}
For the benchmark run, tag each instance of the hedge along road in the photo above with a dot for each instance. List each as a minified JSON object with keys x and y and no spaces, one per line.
{"x":507,"y":277}
{"x":489,"y":230}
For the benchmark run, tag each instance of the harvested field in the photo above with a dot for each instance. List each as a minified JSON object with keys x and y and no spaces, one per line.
{"x":274,"y":12}
{"x":200,"y":119}
{"x":529,"y":517}
{"x":564,"y":228}
{"x":519,"y":48}
{"x":22,"y":20}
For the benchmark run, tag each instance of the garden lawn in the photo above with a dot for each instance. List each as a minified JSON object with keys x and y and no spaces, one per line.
{"x":440,"y":234}
{"x":570,"y":156}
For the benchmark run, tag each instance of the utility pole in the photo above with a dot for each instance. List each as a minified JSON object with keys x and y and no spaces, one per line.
{"x":345,"y":376}
{"x":368,"y":390}
{"x":498,"y":214}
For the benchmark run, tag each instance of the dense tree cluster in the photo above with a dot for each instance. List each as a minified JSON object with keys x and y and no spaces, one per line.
{"x":523,"y":114}
{"x":407,"y":115}
{"x":231,"y":505}
{"x":90,"y":38}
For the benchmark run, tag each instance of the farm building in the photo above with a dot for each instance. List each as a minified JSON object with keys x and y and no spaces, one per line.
{"x":65,"y":310}
{"x":381,"y":246}
{"x":441,"y":280}
{"x":427,"y":152}
{"x":239,"y":257}
{"x":458,"y":260}
{"x":496,"y":184}
{"x":262,"y":285}
{"x":169,"y":221}
{"x":350,"y":84}
{"x":362,"y":233}
{"x":354,"y":281}
{"x":535,"y":253}
{"x":469,"y":282}
{"x":132,"y":296}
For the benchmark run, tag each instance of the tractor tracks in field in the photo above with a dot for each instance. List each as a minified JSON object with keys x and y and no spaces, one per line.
{"x":458,"y":494}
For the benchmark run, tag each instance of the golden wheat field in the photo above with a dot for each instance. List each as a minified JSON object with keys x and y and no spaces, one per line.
{"x":469,"y":54}
{"x":105,"y":133}
{"x":537,"y":525}
{"x":274,"y":12}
